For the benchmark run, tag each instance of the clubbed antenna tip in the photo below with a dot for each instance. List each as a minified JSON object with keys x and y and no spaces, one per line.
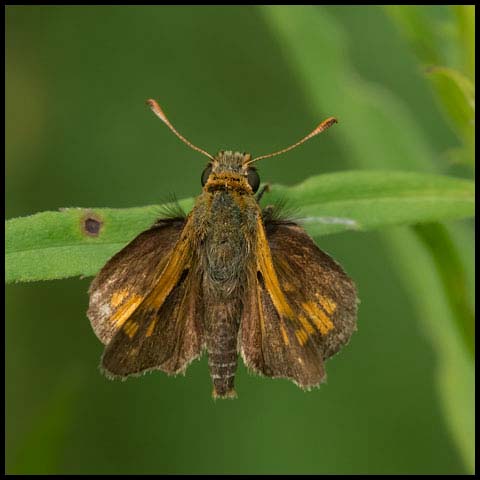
{"x":157,"y":110}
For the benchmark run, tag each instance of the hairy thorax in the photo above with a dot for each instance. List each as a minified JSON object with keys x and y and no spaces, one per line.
{"x":228,"y":220}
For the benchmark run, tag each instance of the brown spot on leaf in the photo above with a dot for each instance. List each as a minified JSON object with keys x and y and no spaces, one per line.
{"x":91,"y":224}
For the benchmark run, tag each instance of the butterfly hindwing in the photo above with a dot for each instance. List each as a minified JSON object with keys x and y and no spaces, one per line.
{"x":304,"y":309}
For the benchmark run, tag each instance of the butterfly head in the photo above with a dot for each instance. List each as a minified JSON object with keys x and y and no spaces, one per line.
{"x":230,"y":170}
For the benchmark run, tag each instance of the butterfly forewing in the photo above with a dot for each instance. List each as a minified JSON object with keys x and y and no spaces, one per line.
{"x":129,"y":276}
{"x":167,"y":338}
{"x":315,"y":286}
{"x":303,"y":310}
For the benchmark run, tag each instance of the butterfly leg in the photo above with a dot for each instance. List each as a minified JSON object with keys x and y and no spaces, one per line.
{"x":265,"y":188}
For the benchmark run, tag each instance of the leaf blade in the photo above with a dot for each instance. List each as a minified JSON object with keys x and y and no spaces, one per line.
{"x":447,"y":261}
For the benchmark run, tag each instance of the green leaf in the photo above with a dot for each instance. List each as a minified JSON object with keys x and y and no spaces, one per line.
{"x":465,"y":15}
{"x":452,"y":274}
{"x":52,"y":245}
{"x":417,"y":25}
{"x":455,"y":373}
{"x":457,"y":95}
{"x":454,"y":87}
{"x":356,"y":200}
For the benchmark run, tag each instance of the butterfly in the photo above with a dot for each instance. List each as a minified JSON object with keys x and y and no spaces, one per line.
{"x":230,"y":279}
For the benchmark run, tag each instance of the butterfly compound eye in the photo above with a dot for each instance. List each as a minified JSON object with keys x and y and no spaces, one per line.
{"x":253,"y":179}
{"x":205,"y":174}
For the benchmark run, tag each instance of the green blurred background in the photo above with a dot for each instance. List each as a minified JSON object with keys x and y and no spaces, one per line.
{"x":249,"y":79}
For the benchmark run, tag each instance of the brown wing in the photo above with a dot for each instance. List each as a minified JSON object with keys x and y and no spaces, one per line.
{"x":166,"y":337}
{"x":125,"y":280}
{"x":146,"y":303}
{"x":301,"y":310}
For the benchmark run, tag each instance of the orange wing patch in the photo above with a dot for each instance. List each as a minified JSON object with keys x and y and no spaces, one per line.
{"x":118,"y":298}
{"x":327,"y":303}
{"x":307,"y":326}
{"x":286,"y":341}
{"x":322,"y":322}
{"x":179,"y":262}
{"x":126,"y":310}
{"x":302,"y":336}
{"x":171,"y":274}
{"x":130,"y":328}
{"x":265,"y":265}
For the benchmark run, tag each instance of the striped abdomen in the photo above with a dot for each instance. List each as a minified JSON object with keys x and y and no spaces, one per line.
{"x":222,"y":333}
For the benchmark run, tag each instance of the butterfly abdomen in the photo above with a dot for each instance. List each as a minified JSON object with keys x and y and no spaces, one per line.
{"x":222,"y":333}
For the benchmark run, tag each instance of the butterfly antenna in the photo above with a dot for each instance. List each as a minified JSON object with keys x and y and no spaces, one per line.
{"x":320,"y":128}
{"x":157,"y":110}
